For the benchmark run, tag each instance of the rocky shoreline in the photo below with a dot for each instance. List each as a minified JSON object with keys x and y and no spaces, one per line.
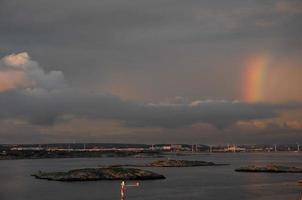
{"x":269,"y":169}
{"x":94,"y":174}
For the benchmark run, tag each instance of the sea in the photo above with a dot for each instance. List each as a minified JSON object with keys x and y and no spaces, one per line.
{"x":189,"y":183}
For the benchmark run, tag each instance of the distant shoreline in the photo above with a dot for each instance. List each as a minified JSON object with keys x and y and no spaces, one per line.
{"x":21,"y":155}
{"x":18,"y":155}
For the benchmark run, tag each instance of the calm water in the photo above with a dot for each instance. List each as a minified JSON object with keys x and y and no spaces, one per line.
{"x":194,"y":183}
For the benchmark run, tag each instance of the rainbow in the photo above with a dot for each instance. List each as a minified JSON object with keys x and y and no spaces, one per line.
{"x":254,"y":75}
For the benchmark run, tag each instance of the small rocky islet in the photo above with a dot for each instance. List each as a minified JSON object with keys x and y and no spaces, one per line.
{"x":94,"y":174}
{"x":180,"y":163}
{"x":173,"y":163}
{"x":269,"y":169}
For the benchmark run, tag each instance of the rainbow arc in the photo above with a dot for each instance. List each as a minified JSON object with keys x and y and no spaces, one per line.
{"x":254,"y":74}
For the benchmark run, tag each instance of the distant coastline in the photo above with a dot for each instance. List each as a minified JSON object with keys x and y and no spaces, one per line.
{"x":86,"y":150}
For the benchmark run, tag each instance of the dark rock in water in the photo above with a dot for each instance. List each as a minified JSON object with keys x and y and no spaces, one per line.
{"x":93,"y":174}
{"x":180,"y":163}
{"x":170,"y":163}
{"x":270,"y":169}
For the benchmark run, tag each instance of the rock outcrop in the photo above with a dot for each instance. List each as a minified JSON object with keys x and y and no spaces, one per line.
{"x":270,"y":169}
{"x":180,"y":163}
{"x":170,"y":163}
{"x":93,"y":174}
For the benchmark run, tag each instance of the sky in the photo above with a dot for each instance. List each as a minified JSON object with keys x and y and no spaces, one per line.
{"x":160,"y":71}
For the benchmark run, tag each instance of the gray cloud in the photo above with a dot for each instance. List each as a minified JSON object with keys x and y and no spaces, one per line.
{"x":160,"y":48}
{"x":93,"y":43}
{"x":46,"y":108}
{"x":49,"y":100}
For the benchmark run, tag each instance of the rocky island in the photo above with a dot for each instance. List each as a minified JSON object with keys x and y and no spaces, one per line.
{"x":270,"y":169}
{"x":94,"y":174}
{"x":179,"y":163}
{"x":173,"y":163}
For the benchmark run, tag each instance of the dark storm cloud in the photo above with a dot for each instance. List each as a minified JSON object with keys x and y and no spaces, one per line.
{"x":98,"y":39}
{"x":44,"y":98}
{"x":166,"y":47}
{"x":117,"y":23}
{"x":46,"y":108}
